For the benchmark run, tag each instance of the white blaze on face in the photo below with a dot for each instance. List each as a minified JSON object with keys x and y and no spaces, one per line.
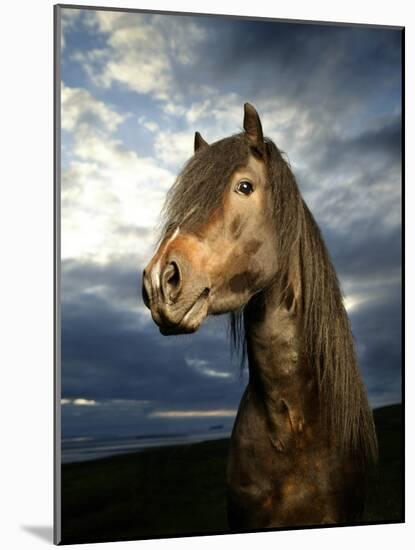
{"x":155,"y":272}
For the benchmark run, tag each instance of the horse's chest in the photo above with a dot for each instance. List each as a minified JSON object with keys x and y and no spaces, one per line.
{"x":267,"y":486}
{"x":254,"y":467}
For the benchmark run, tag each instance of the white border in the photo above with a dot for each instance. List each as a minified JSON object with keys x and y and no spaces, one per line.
{"x":26,"y":268}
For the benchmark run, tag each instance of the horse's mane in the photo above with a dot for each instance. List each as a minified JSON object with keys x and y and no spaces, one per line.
{"x":306,"y":273}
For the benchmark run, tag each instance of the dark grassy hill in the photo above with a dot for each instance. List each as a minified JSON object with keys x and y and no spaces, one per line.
{"x":385,"y":491}
{"x":181,"y":490}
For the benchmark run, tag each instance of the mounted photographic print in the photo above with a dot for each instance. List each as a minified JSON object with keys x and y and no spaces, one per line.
{"x":228,"y":274}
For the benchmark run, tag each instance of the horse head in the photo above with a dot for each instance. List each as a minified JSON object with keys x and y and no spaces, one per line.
{"x":218,"y":247}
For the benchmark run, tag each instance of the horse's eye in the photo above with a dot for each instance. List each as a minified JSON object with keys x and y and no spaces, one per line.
{"x":244,"y":187}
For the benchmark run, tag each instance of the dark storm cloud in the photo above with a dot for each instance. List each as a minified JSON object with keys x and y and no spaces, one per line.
{"x":377,"y":329}
{"x":354,"y":211}
{"x":324,"y":66}
{"x":376,"y":255}
{"x":379,"y":147}
{"x":119,"y":281}
{"x":110,"y":352}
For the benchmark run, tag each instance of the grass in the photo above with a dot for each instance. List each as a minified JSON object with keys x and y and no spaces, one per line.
{"x":386,"y":485}
{"x":181,"y":490}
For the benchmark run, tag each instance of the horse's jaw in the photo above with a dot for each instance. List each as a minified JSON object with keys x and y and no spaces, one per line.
{"x":190,"y":321}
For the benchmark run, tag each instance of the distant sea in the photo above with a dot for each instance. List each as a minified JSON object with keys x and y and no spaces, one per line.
{"x":80,"y":449}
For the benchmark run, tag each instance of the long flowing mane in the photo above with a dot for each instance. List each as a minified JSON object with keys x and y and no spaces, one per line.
{"x":306,"y":273}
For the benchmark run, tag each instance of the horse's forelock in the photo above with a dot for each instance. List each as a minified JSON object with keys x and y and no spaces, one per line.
{"x":199,"y":187}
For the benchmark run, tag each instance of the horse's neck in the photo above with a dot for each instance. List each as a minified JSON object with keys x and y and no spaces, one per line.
{"x":278,"y":375}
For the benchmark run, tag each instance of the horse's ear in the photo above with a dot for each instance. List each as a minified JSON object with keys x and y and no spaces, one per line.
{"x":253,"y":127}
{"x":200,"y":142}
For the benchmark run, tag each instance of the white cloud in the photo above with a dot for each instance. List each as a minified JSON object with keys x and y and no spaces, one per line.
{"x":150,"y":125}
{"x":217,"y":116}
{"x":289,"y":125}
{"x":79,"y":107}
{"x":107,"y":188}
{"x":174,"y":148}
{"x":142,"y":51}
{"x":174,"y":109}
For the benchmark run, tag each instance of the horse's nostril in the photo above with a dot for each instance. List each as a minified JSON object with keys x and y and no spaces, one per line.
{"x":205,"y":293}
{"x":174,"y":276}
{"x":171,"y":281}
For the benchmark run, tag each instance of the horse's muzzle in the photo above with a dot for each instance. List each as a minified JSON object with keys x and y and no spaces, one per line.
{"x":177,"y":296}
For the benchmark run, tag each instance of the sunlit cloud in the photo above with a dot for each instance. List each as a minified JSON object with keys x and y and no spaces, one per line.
{"x":82,"y":402}
{"x":79,"y":402}
{"x":203,"y":366}
{"x":352,"y":303}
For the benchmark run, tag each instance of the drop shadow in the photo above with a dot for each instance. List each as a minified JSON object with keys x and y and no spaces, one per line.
{"x":44,"y":532}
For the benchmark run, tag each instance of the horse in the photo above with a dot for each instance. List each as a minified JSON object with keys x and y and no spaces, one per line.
{"x":238,"y":238}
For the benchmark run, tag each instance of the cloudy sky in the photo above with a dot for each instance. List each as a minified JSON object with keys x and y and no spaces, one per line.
{"x":135,"y":87}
